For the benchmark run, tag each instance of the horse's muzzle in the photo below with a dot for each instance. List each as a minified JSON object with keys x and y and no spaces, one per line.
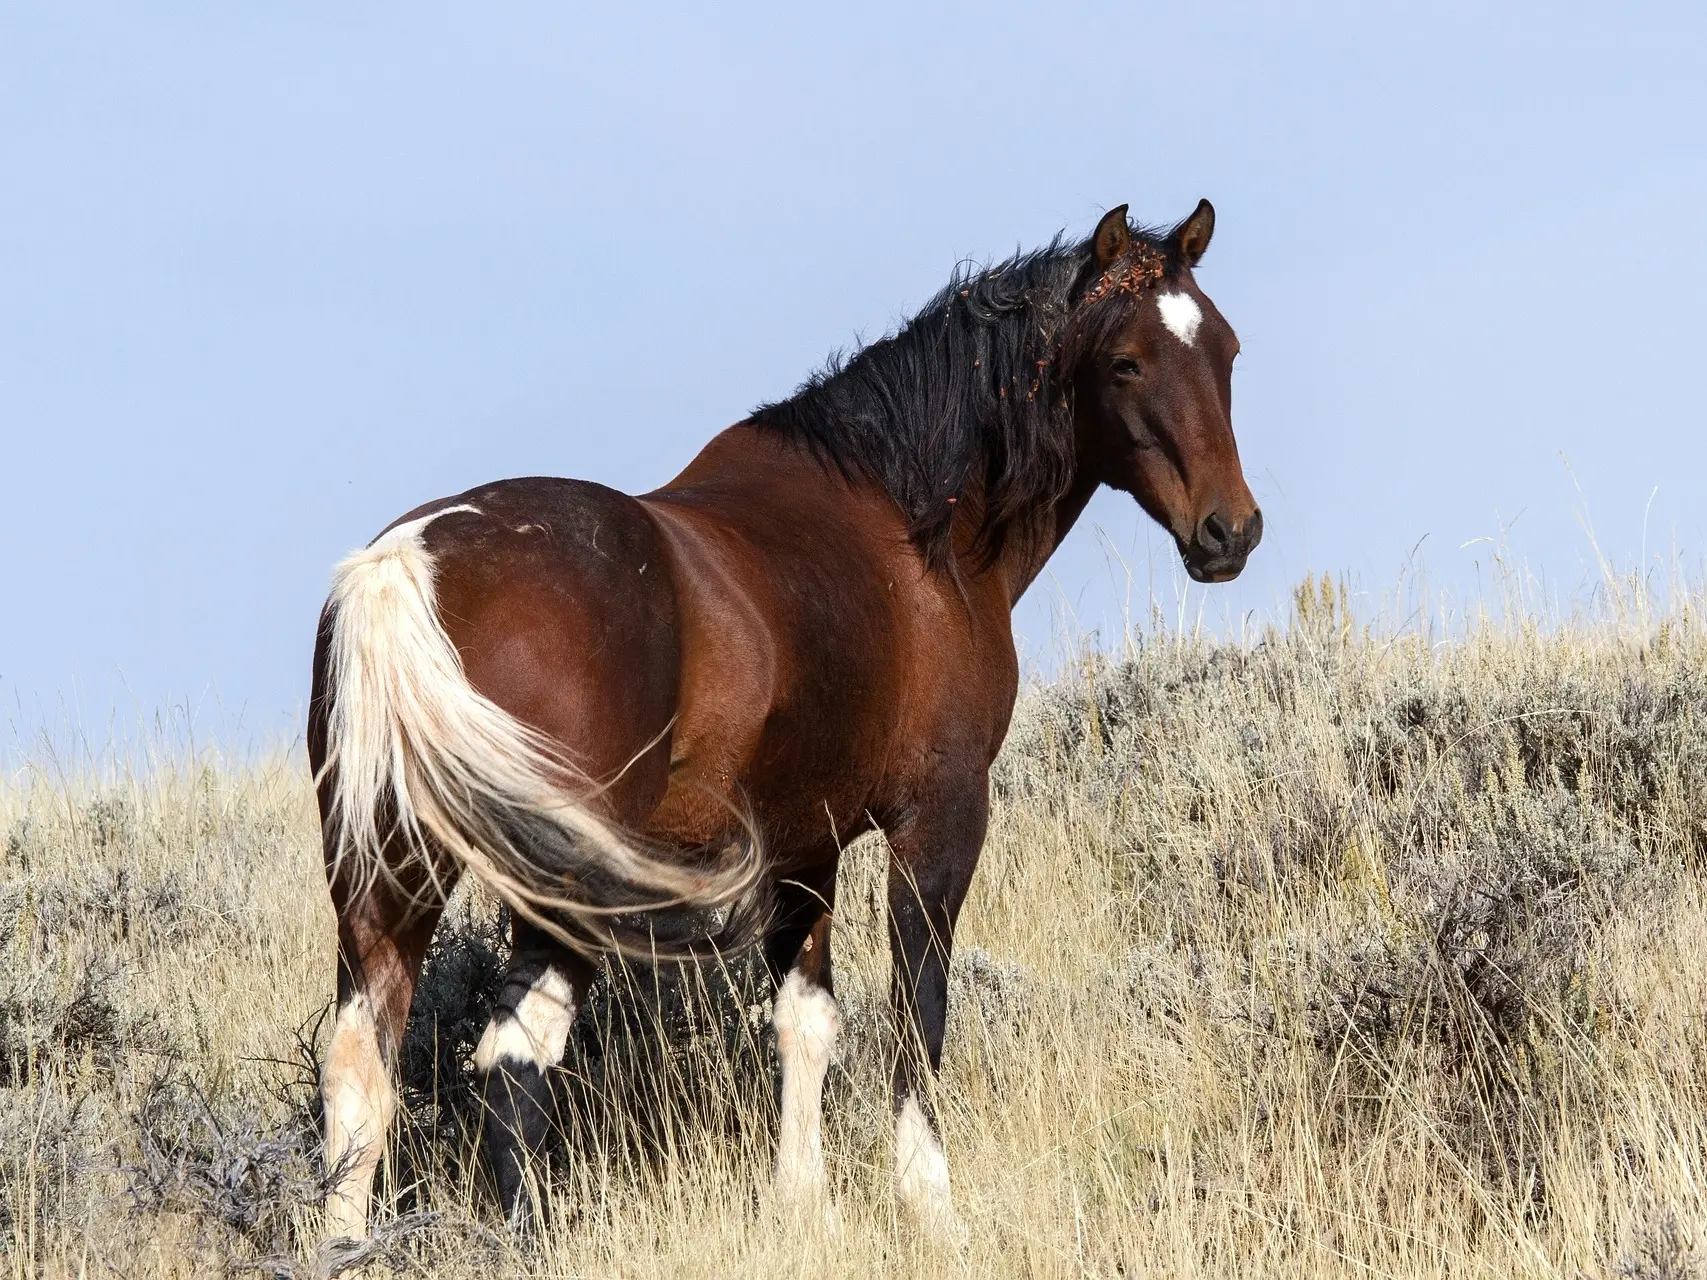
{"x":1220,"y":545}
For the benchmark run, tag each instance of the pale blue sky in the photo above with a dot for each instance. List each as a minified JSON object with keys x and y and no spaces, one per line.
{"x":271,"y":274}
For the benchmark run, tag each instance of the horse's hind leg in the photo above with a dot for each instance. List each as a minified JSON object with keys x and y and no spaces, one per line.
{"x":525,"y":1039}
{"x":382,"y":938}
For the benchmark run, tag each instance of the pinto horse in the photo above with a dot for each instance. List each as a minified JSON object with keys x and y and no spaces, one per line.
{"x":642,"y":719}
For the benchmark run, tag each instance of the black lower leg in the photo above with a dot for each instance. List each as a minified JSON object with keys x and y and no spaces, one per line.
{"x":934,"y":854}
{"x":520,"y":1118}
{"x":919,"y":940}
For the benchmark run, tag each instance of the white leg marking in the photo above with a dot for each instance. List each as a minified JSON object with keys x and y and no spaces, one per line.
{"x":537,"y":1033}
{"x":359,"y":1101}
{"x":1181,"y":314}
{"x":806,"y":1021}
{"x":921,"y":1169}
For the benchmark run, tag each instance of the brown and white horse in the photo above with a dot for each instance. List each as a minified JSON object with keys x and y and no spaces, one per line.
{"x":638,"y":718}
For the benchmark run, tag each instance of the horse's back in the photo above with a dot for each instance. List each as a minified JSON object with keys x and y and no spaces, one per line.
{"x":558,"y":597}
{"x":758,"y":634}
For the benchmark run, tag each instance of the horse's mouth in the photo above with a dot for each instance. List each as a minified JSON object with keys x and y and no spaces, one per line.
{"x":1217,"y":569}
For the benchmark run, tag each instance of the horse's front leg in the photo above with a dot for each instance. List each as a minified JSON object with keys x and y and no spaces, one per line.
{"x":797,"y":953}
{"x":935,"y":848}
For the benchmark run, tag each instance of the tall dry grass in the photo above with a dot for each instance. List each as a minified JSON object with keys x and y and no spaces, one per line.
{"x":1343,"y":951}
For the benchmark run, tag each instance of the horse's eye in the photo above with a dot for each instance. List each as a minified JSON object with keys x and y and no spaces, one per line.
{"x":1124,"y":367}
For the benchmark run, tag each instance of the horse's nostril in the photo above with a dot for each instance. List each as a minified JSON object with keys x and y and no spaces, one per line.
{"x":1218,"y":536}
{"x":1213,"y":533}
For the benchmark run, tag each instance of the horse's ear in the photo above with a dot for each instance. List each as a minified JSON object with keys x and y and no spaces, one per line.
{"x":1113,"y":237}
{"x":1191,"y":237}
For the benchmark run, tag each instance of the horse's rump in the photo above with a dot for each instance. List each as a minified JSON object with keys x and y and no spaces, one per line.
{"x":497,"y":680}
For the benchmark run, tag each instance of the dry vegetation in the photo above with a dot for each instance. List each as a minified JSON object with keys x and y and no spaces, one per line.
{"x":1337,"y":953}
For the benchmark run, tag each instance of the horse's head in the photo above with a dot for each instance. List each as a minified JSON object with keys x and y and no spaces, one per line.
{"x":1152,"y":365}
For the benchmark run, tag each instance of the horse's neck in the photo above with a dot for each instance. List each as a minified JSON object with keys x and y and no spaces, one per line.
{"x":1033,"y":541}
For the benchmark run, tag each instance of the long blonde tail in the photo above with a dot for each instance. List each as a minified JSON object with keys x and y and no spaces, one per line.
{"x":424,"y":764}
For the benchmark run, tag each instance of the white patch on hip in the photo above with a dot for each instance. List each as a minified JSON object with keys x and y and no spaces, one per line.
{"x":409,"y":532}
{"x":806,"y":1021}
{"x":921,"y":1169}
{"x":359,"y":1101}
{"x":1181,"y":314}
{"x":537,"y":1033}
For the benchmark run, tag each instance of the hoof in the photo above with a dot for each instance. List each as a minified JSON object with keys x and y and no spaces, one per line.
{"x":525,"y":1215}
{"x":809,"y":1207}
{"x":935,"y":1217}
{"x":345,"y":1257}
{"x":921,"y":1177}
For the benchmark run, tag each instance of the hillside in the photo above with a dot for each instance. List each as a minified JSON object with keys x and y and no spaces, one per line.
{"x":1340,"y":952}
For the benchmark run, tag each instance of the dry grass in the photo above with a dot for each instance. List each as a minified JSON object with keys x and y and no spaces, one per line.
{"x":1339,"y":953}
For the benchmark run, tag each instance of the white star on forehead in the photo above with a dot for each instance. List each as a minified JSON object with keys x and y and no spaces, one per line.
{"x":1181,"y":314}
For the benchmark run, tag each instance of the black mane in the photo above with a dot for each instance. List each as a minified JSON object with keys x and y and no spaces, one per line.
{"x":974,"y":391}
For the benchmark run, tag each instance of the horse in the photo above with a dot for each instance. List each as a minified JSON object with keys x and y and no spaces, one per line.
{"x":652,"y":723}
